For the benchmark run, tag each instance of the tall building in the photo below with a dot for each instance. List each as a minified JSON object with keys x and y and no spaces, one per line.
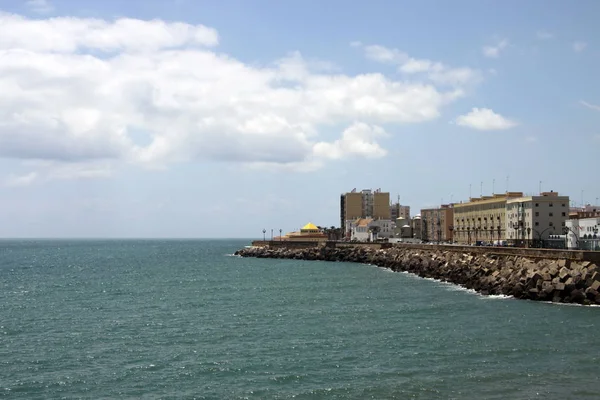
{"x":399,"y":211}
{"x":482,"y":218}
{"x":532,"y":219}
{"x":364,"y":204}
{"x":437,"y":223}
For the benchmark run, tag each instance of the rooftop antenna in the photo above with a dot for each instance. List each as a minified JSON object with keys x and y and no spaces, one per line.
{"x":540,"y":188}
{"x":469,"y":191}
{"x":493,"y":186}
{"x":481,"y":189}
{"x":507,"y":176}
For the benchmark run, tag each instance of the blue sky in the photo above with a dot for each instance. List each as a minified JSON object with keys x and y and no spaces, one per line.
{"x":218,"y":119}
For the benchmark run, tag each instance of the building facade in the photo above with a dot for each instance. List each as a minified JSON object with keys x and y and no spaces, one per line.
{"x":364,"y":204}
{"x":437,"y":223}
{"x":308,"y":233}
{"x":583,"y":233}
{"x":417,"y":227}
{"x":531,"y":220}
{"x":482,"y":219}
{"x":399,"y":211}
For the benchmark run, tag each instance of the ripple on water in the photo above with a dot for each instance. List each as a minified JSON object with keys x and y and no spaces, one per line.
{"x":183,"y":319}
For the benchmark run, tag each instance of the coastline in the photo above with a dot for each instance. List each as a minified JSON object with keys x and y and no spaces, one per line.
{"x":549,"y":279}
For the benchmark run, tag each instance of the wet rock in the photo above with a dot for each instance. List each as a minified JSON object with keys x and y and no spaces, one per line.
{"x":518,"y":276}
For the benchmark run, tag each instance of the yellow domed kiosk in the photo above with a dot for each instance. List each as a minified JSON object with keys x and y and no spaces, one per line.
{"x":308,"y":233}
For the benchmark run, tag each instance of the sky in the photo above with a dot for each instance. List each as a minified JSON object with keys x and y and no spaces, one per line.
{"x":200,"y":119}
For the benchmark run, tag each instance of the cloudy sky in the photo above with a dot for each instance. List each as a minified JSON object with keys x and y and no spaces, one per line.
{"x":191,"y":118}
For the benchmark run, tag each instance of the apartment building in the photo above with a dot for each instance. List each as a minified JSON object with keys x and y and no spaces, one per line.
{"x":364,"y":204}
{"x":482,"y":219}
{"x":437,"y":223}
{"x":531,"y":219}
{"x":399,"y":211}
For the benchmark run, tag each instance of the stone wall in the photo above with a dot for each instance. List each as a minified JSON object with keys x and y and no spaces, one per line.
{"x":566,"y":280}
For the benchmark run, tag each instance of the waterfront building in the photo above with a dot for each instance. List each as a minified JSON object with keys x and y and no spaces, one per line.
{"x":399,"y":211}
{"x":437,"y":223}
{"x":384,"y":228}
{"x":531,"y":220}
{"x":582,"y":233}
{"x":481,"y":219}
{"x":417,"y":227}
{"x":308,"y":233}
{"x":364,"y":204}
{"x":588,"y":211}
{"x":359,"y":229}
{"x":403,"y":228}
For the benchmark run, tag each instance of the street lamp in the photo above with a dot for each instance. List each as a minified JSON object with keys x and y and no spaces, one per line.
{"x":469,"y":234}
{"x":566,"y":231}
{"x":271,"y":234}
{"x":264,"y":237}
{"x":528,"y":235}
{"x":280,"y":239}
{"x":541,"y":234}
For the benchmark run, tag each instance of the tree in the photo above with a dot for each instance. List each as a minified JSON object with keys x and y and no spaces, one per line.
{"x":374,"y":229}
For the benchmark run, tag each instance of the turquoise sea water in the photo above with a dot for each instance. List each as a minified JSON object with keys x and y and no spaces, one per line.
{"x":185,"y":319}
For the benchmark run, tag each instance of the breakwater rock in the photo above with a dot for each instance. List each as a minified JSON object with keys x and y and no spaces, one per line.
{"x":556,"y":280}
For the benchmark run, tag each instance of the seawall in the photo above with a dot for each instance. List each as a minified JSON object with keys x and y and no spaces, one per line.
{"x":565,"y":277}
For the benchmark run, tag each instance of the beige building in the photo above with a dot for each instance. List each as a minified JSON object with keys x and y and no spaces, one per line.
{"x":437,"y":223}
{"x":530,"y":220}
{"x":417,"y":227}
{"x":399,"y":211}
{"x":482,"y":219}
{"x":364,"y":204}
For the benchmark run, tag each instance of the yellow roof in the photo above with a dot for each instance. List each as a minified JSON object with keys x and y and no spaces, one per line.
{"x":310,"y":227}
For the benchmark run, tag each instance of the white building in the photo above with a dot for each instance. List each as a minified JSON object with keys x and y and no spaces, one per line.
{"x":369,"y":229}
{"x":583,"y":233}
{"x":359,"y":229}
{"x":534,"y":218}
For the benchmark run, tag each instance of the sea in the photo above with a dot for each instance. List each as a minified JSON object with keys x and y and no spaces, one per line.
{"x":186,"y":319}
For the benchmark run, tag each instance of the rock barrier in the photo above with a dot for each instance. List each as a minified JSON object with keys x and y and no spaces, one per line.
{"x":562,"y":281}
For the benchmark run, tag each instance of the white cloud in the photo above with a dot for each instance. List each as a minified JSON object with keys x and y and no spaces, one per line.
{"x":484,"y":119}
{"x":79,"y":91}
{"x":21,"y":180}
{"x":494,"y":51}
{"x":383,"y":54}
{"x":436,"y":72}
{"x":68,"y":35}
{"x":543,"y":35}
{"x":356,"y":140}
{"x":589,"y":105}
{"x":579,"y":46}
{"x":531,"y":139}
{"x":40,"y":6}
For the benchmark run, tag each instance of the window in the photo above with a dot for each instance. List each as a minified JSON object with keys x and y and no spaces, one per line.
{"x":550,"y":204}
{"x":537,"y":204}
{"x":551,"y":224}
{"x":537,"y":214}
{"x":537,"y":223}
{"x":564,"y":214}
{"x":563,"y":205}
{"x":550,"y":214}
